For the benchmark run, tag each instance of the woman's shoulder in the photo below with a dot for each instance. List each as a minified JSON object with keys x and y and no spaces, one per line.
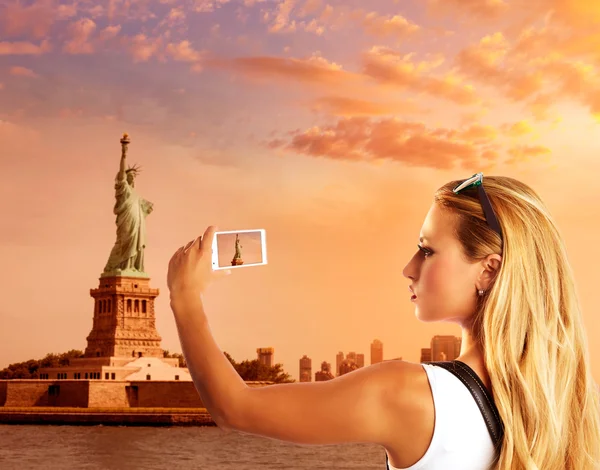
{"x":412,"y":406}
{"x":407,"y":389}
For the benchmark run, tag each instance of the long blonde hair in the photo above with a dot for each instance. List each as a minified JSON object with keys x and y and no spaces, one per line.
{"x":530,"y":326}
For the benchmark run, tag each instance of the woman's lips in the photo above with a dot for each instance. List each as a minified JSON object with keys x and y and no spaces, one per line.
{"x":413,"y":294}
{"x":413,"y":298}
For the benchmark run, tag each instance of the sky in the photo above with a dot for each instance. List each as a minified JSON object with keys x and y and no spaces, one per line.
{"x":327,"y":123}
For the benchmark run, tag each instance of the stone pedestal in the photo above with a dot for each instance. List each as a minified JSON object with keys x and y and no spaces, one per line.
{"x":237,"y":262}
{"x":124,"y":319}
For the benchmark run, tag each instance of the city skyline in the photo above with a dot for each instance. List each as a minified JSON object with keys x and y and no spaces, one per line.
{"x":328,"y":124}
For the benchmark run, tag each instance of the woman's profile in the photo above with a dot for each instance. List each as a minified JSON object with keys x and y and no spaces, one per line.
{"x":491,"y":259}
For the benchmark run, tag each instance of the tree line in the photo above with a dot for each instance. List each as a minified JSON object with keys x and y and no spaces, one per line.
{"x":248,"y":370}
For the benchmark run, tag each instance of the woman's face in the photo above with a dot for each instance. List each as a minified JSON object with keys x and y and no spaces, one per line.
{"x":443,"y":281}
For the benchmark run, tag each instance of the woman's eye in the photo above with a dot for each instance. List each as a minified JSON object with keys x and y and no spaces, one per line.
{"x":425,"y":251}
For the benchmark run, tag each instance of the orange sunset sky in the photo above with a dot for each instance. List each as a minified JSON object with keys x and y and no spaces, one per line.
{"x":328,"y":123}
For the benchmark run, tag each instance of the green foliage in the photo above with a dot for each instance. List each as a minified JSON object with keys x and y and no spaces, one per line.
{"x":29,"y":369}
{"x":255,"y":371}
{"x":248,"y":370}
{"x":179,"y":356}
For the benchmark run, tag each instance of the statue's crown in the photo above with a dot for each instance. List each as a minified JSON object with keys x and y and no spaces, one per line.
{"x":134,"y":169}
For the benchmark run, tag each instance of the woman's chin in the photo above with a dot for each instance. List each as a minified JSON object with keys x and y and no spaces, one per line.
{"x":422,"y":315}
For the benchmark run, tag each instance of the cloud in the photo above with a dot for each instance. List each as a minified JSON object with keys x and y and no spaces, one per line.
{"x":345,"y":106}
{"x":184,"y":52}
{"x":80,"y":33}
{"x":310,"y":7}
{"x":33,"y":21}
{"x":383,"y":26}
{"x":311,"y":70}
{"x":207,"y":6}
{"x":524,"y":153}
{"x":22,"y":72}
{"x":390,"y":67}
{"x":282,"y":18}
{"x":142,"y":47}
{"x":517,"y":129}
{"x":480,"y":9}
{"x":489,"y":61}
{"x":540,"y":67}
{"x":280,"y":21}
{"x":24,"y":48}
{"x":411,"y":143}
{"x":577,"y":14}
{"x":110,"y":32}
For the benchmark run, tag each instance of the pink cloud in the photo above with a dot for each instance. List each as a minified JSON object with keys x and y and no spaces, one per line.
{"x":80,"y":33}
{"x":313,"y":69}
{"x":22,"y":72}
{"x":345,"y":106}
{"x":142,"y":48}
{"x":109,"y":32}
{"x":24,"y":48}
{"x":486,"y":9}
{"x":392,"y":68}
{"x":411,"y":143}
{"x":33,"y":21}
{"x":382,"y":26}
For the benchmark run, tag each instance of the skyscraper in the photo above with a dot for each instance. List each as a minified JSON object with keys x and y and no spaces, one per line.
{"x":360,"y":360}
{"x":425,"y":354}
{"x":324,"y":373}
{"x":305,"y":369}
{"x":445,"y":348}
{"x":265,"y":356}
{"x":338,"y":362}
{"x":376,"y":352}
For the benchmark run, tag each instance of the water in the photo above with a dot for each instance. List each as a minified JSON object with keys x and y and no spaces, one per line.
{"x":107,"y":447}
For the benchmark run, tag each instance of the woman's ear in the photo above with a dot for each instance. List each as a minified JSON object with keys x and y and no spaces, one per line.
{"x":490,"y":268}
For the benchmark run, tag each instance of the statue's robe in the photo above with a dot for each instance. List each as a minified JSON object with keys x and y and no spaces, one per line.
{"x":131,"y":211}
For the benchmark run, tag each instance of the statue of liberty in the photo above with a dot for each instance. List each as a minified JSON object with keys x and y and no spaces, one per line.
{"x":237,"y":258}
{"x":127,"y":255}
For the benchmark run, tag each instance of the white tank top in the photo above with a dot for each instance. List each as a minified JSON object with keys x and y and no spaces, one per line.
{"x":461,"y":440}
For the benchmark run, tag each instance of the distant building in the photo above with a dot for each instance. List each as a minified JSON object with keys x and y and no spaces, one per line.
{"x":347,"y":365}
{"x":360,"y":360}
{"x":339,"y":358}
{"x":376,"y":352}
{"x":425,"y":354}
{"x":265,"y":356}
{"x":305,"y":369}
{"x":324,"y":373}
{"x":445,"y":348}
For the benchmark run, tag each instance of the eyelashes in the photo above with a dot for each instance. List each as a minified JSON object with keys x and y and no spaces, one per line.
{"x":425,"y":251}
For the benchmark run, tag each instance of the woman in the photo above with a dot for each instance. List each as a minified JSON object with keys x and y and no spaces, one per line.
{"x":490,"y":259}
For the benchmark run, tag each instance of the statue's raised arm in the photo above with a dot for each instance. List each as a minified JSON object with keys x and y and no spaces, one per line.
{"x":124,"y":143}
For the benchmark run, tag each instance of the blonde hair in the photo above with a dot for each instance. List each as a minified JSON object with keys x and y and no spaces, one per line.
{"x":530,"y":326}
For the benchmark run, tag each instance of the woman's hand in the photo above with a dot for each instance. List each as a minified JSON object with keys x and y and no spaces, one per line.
{"x":190,"y":268}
